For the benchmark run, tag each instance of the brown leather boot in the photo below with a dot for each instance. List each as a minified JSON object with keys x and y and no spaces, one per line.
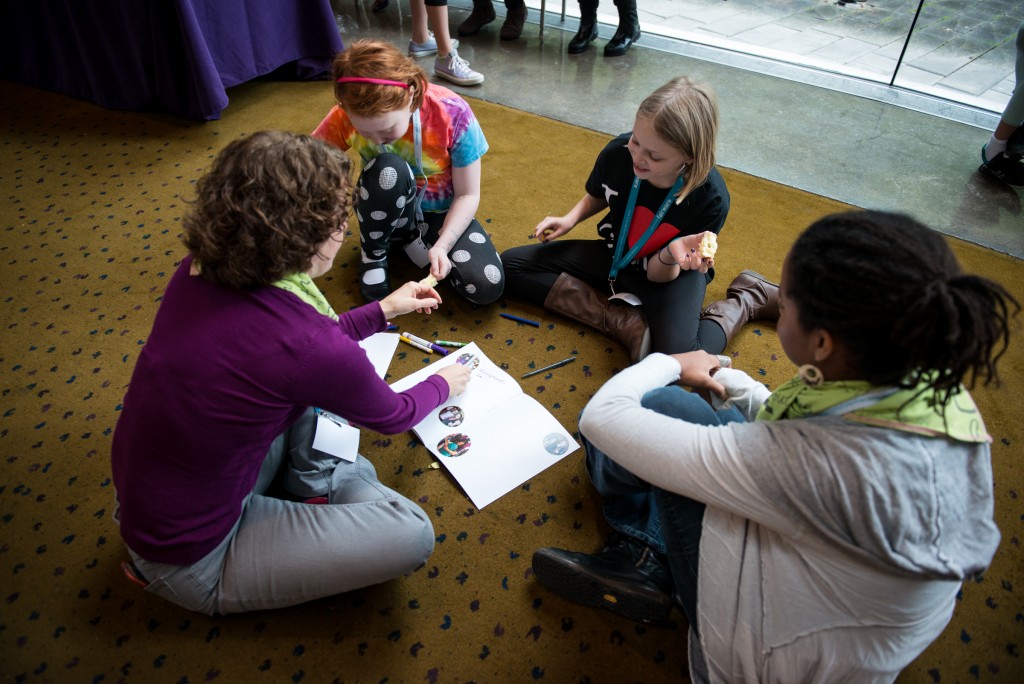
{"x":482,"y":14}
{"x":750,"y":297}
{"x":624,"y":323}
{"x":515,"y":17}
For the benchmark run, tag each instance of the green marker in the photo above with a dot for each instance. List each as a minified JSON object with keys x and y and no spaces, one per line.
{"x":450,"y":344}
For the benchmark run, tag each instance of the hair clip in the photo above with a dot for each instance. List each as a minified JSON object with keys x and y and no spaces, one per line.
{"x":372,"y":81}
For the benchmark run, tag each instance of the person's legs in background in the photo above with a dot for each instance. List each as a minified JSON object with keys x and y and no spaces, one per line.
{"x":515,"y":18}
{"x":483,"y":14}
{"x":1002,"y":157}
{"x":587,"y":32}
{"x":448,"y":64}
{"x":628,"y":31}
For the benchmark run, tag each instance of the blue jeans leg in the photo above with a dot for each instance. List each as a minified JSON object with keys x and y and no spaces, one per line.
{"x":667,"y":522}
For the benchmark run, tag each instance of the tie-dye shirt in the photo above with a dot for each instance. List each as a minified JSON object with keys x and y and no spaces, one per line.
{"x":451,"y":137}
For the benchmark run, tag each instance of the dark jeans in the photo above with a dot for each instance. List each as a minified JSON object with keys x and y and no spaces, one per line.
{"x":670,"y":523}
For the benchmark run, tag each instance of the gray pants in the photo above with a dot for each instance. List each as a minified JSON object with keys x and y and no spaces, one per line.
{"x":1014,"y":112}
{"x":281,"y":553}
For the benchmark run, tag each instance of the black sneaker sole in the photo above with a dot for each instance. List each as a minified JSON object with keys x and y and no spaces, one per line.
{"x":579,"y":585}
{"x":1013,"y":182}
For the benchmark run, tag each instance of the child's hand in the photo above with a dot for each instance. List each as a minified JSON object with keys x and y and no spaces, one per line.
{"x":686,"y":252}
{"x":440,"y":265}
{"x":551,"y":227}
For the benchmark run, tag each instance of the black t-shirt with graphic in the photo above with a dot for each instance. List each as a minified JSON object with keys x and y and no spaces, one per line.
{"x":612,"y":177}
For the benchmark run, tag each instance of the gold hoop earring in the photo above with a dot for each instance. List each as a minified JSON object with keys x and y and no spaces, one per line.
{"x":811,"y":375}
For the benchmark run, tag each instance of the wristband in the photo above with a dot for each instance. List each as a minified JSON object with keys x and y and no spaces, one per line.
{"x":672,"y":263}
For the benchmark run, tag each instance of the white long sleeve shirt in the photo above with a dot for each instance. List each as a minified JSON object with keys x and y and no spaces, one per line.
{"x":831,"y":551}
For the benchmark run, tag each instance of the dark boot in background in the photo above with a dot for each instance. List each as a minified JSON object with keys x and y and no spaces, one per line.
{"x":620,"y":321}
{"x":750,"y":297}
{"x":482,"y":14}
{"x":515,"y":17}
{"x":588,"y":27}
{"x":628,"y":31}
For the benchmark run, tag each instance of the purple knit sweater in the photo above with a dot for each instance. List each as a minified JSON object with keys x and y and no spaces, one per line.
{"x":222,"y":374}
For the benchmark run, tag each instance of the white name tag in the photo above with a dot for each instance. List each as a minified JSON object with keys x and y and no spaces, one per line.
{"x":335,"y":437}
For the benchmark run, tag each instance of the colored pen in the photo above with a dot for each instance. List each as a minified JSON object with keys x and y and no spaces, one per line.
{"x":451,"y":344}
{"x":415,"y":344}
{"x":527,"y":321}
{"x":417,"y":340}
{"x":557,"y":364}
{"x":392,"y":327}
{"x":426,"y":343}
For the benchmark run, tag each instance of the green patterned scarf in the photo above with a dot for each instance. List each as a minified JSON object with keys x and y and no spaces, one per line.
{"x":912,"y":410}
{"x":303,"y":287}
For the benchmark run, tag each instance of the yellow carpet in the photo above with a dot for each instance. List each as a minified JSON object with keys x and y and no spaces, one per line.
{"x":91,"y":232}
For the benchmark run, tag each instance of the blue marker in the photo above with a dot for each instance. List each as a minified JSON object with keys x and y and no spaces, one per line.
{"x":527,"y":321}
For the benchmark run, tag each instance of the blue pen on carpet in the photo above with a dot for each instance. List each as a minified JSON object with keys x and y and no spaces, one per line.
{"x":557,"y":364}
{"x":518,"y":319}
{"x":392,"y":327}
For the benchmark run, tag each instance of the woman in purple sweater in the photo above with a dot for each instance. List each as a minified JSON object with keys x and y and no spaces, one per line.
{"x":220,"y":402}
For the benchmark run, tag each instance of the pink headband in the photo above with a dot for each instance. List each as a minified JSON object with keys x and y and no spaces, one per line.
{"x":375,"y":81}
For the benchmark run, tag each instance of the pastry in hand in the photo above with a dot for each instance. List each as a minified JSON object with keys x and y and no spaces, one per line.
{"x":708,"y":245}
{"x":429,"y":281}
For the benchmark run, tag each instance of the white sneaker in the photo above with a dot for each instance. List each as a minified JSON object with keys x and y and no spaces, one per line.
{"x":455,"y":69}
{"x":427,"y":47}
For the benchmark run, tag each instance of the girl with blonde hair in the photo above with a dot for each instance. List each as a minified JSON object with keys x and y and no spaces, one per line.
{"x":663,"y":197}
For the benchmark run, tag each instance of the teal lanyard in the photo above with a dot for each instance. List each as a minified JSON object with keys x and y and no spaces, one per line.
{"x":417,"y":142}
{"x":619,"y":261}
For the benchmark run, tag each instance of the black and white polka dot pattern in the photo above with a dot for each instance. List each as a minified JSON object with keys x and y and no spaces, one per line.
{"x":385,"y":208}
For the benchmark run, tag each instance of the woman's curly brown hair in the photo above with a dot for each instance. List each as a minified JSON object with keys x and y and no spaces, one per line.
{"x":265,"y":206}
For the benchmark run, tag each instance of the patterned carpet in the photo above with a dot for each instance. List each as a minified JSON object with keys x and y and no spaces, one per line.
{"x":90,"y":234}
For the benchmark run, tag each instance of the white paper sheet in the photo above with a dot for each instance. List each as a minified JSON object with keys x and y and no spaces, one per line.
{"x":492,"y":437}
{"x":380,"y":348}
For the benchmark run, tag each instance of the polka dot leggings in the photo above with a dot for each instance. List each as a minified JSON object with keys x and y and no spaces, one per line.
{"x":385,"y":208}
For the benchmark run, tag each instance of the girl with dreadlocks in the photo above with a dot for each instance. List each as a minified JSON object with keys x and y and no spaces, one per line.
{"x":820,"y":532}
